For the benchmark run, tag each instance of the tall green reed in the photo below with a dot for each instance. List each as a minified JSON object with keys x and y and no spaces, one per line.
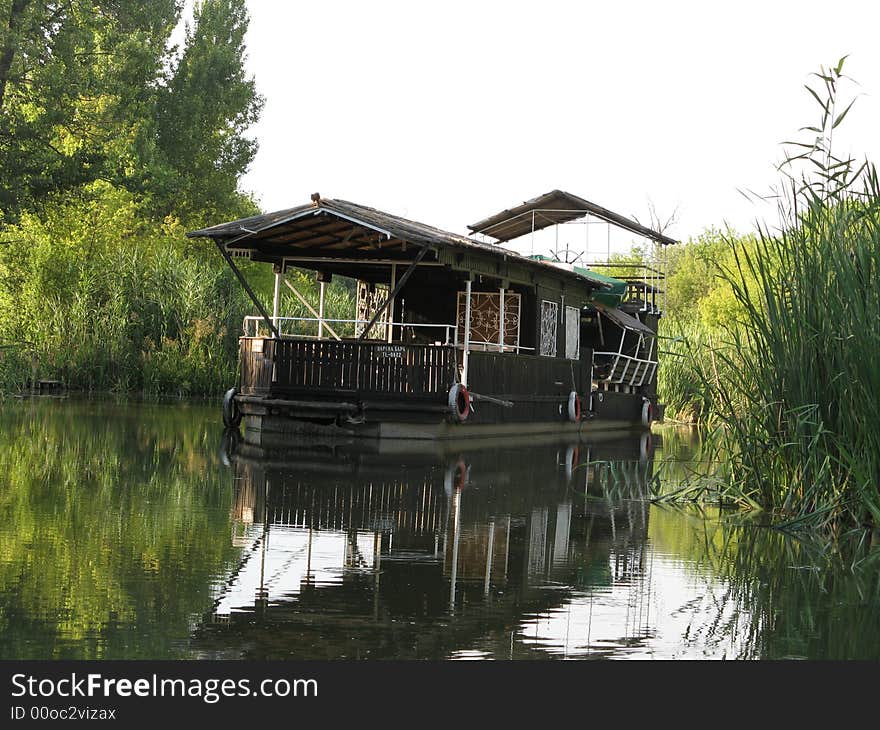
{"x":794,"y":387}
{"x":112,"y":301}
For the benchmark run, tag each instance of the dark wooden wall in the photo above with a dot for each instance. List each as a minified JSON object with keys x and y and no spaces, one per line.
{"x":539,"y":387}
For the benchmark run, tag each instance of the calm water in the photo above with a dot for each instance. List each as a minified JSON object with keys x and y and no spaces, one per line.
{"x":135,"y":531}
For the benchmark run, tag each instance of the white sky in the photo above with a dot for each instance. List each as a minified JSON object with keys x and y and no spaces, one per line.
{"x":449,"y":112}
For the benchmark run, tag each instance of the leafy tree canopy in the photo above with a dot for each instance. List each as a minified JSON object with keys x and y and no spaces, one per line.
{"x":94,"y":91}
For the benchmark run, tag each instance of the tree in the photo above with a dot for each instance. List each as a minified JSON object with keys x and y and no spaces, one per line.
{"x":203,"y":114}
{"x":77,"y":87}
{"x":110,"y":142}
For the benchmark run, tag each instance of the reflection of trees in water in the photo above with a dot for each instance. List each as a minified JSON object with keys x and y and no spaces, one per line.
{"x":116,"y":540}
{"x":112,"y":522}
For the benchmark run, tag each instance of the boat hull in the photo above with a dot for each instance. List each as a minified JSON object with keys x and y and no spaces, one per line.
{"x":276,"y":424}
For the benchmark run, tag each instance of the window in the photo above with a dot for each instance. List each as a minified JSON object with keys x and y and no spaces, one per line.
{"x":572,"y":333}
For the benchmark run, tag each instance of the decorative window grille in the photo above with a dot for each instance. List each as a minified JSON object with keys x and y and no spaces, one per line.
{"x":485,"y":325}
{"x":549,"y":319}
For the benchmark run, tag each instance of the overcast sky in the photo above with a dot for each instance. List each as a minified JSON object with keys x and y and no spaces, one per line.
{"x":446,"y":112}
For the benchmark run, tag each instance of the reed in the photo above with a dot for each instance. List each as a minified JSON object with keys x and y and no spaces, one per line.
{"x":112,"y":301}
{"x":795,"y":388}
{"x":680,"y":378}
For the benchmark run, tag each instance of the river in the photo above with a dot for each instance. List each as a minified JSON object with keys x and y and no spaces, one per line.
{"x":136,"y":530}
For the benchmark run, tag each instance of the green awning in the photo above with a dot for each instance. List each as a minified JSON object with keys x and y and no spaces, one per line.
{"x":609,"y":297}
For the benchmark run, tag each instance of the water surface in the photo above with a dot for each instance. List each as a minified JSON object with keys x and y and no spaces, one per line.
{"x":134,"y":530}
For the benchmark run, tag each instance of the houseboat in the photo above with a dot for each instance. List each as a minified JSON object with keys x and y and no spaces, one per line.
{"x":453,"y":335}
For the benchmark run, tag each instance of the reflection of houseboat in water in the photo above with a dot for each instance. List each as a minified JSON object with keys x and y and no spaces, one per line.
{"x":348,"y":553}
{"x":452,"y":334}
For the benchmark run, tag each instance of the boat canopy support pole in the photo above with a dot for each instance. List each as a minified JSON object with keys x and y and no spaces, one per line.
{"x":323,"y":286}
{"x":310,"y":308}
{"x":394,"y":292}
{"x":276,"y":297}
{"x":467,"y":333}
{"x":456,"y":536}
{"x":247,"y":287}
{"x":489,"y":549}
{"x":391,"y":298}
{"x":501,"y":319}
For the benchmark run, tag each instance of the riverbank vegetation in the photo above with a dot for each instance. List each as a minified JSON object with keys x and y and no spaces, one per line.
{"x":113,"y":143}
{"x":789,"y":381}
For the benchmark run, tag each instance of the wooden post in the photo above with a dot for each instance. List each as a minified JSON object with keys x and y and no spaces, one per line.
{"x":467,"y":333}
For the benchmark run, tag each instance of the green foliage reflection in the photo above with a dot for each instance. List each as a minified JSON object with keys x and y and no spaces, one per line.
{"x":114,"y":525}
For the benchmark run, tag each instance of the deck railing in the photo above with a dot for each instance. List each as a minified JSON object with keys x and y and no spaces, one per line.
{"x":644,"y":283}
{"x":625,"y":369}
{"x":254,"y":326}
{"x":348,"y":367}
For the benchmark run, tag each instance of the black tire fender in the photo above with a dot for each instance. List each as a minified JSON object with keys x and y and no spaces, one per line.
{"x":231,"y":411}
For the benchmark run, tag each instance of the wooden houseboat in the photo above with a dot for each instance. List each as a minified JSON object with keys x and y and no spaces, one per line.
{"x":453,"y":336}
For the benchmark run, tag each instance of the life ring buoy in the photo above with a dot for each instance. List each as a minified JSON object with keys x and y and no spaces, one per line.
{"x":647,"y":413}
{"x":459,"y":402}
{"x":574,"y":407}
{"x":231,"y":411}
{"x":228,"y":444}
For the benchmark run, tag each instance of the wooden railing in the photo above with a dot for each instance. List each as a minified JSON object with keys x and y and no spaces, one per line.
{"x":292,"y":366}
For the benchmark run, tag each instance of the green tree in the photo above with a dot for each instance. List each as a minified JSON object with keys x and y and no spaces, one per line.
{"x":203,"y":115}
{"x":78,"y":82}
